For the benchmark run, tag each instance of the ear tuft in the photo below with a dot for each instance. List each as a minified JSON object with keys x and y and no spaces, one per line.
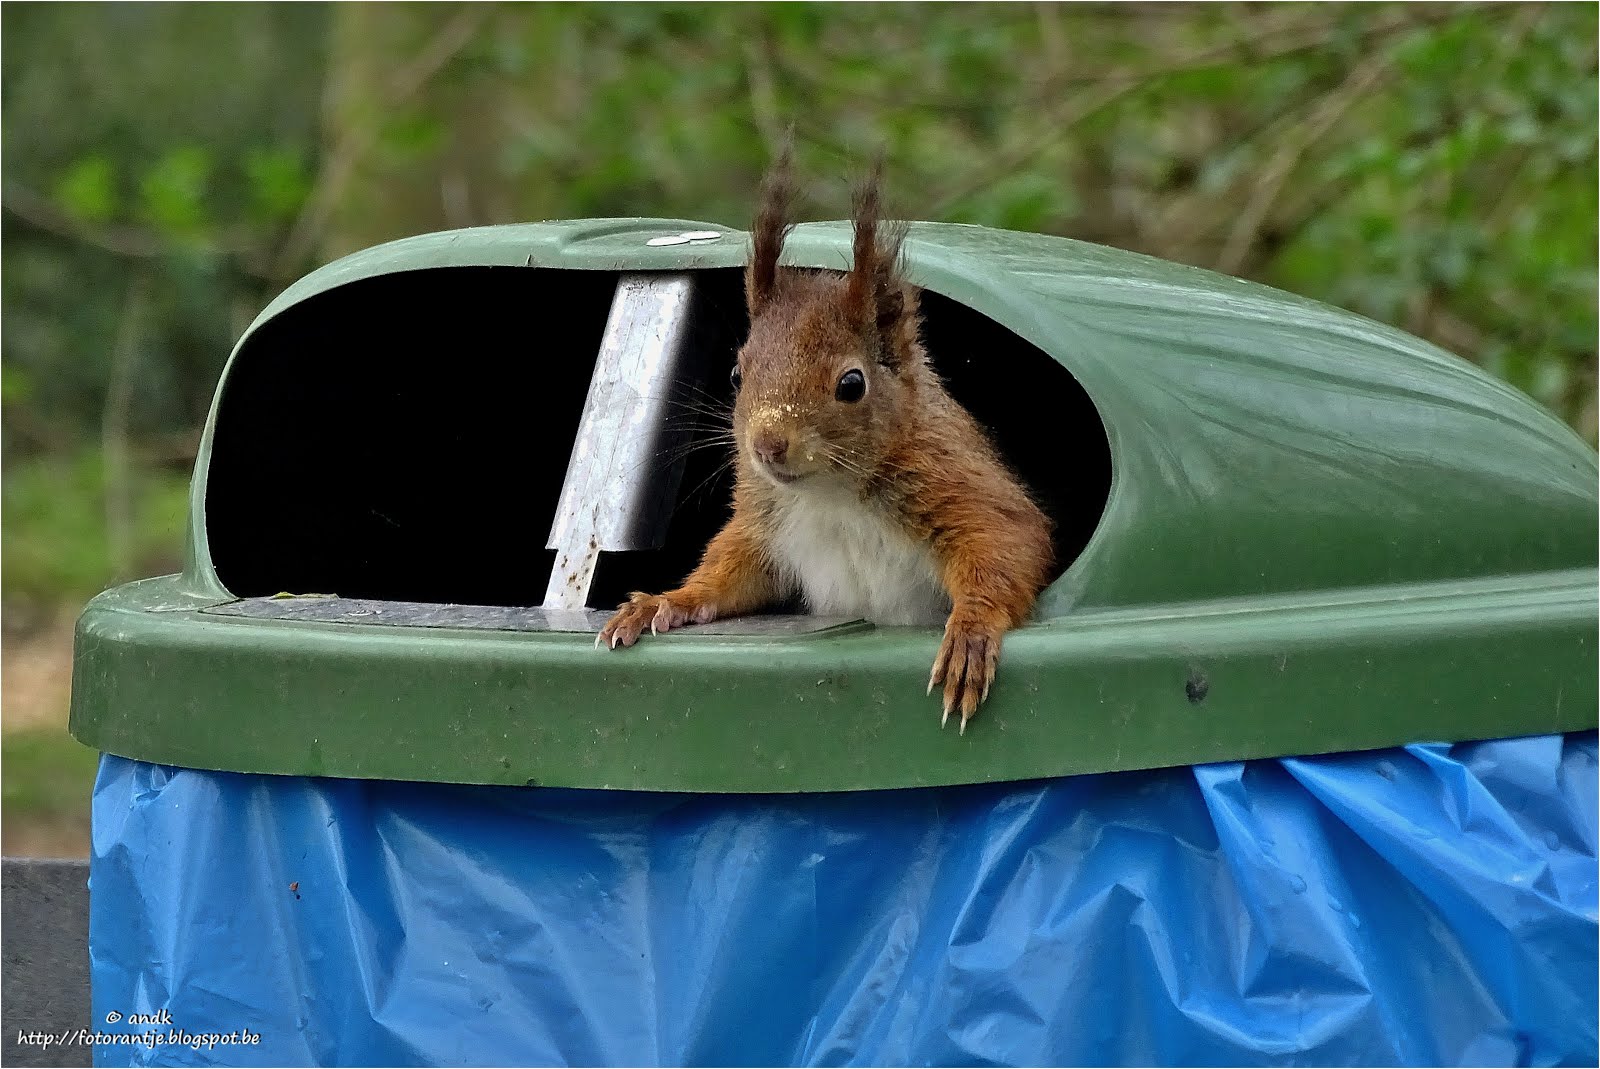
{"x":875,"y":296}
{"x":770,"y":228}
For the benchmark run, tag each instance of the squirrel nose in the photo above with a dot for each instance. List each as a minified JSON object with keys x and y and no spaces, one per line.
{"x":771,"y":446}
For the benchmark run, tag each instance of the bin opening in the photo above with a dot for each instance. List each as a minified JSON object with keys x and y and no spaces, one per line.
{"x":405,"y":437}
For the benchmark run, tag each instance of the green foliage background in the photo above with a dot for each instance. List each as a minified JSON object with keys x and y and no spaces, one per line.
{"x":169,"y":168}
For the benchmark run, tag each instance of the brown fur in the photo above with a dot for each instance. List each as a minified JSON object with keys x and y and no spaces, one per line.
{"x":907,"y":448}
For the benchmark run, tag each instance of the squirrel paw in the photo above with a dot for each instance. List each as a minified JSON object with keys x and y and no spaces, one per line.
{"x":966,"y":665}
{"x":658,"y":612}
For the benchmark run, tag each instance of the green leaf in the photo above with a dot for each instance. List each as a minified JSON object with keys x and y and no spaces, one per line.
{"x":88,"y":190}
{"x":173,"y":192}
{"x":277,"y":183}
{"x":16,"y":385}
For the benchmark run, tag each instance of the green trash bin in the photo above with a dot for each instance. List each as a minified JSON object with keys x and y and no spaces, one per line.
{"x":1285,"y":529}
{"x":434,"y":467}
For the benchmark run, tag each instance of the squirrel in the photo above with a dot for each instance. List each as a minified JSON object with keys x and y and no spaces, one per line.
{"x":861,"y":485}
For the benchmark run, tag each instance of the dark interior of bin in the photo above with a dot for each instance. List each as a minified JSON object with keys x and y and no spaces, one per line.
{"x":405,"y":438}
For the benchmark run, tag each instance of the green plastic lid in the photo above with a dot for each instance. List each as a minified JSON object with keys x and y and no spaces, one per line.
{"x":1292,"y":530}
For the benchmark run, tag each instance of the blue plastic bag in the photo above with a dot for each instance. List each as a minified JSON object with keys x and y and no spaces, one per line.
{"x":1433,"y":905}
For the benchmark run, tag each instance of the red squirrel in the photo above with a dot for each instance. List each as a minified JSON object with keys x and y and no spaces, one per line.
{"x":861,"y":485}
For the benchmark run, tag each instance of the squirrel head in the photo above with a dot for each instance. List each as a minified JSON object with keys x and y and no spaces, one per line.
{"x":831,"y":370}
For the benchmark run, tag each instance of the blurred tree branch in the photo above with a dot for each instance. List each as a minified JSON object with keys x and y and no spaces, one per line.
{"x":763,"y":94}
{"x":40,"y":212}
{"x":1307,"y":29}
{"x":355,"y":141}
{"x":114,"y":422}
{"x":1362,"y":79}
{"x":1305,"y":34}
{"x":1110,"y":87}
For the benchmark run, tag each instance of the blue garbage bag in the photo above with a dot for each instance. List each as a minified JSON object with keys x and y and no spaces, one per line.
{"x":1433,"y":905}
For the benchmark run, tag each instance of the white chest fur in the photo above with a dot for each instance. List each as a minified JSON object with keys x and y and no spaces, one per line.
{"x":849,"y":559}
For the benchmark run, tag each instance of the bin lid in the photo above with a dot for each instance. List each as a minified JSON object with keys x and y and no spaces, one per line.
{"x":1260,"y":442}
{"x":1308,"y":510}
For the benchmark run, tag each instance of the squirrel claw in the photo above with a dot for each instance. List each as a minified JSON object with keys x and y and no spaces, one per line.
{"x":661,"y":612}
{"x":966,"y":665}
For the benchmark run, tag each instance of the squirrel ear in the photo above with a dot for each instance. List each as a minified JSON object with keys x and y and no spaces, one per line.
{"x":876,"y":299}
{"x":771,"y":226}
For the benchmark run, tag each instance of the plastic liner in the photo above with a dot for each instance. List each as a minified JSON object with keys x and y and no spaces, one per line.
{"x":1428,"y":906}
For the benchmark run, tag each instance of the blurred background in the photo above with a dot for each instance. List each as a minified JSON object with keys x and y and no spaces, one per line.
{"x":169,"y":168}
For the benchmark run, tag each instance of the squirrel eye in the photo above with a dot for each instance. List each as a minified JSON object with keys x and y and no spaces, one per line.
{"x":735,"y":377}
{"x":852,"y":387}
